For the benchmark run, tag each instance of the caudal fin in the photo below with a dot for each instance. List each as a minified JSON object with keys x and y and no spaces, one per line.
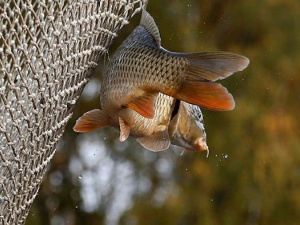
{"x":203,"y":68}
{"x":213,"y":66}
{"x":208,"y":95}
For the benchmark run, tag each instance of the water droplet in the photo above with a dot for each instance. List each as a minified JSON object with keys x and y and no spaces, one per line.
{"x":212,"y":199}
{"x":80,"y":176}
{"x":225,"y":156}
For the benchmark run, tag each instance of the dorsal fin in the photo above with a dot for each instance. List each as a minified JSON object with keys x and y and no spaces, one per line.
{"x":148,"y":22}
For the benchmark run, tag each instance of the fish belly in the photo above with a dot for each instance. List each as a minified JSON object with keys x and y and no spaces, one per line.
{"x":141,"y":126}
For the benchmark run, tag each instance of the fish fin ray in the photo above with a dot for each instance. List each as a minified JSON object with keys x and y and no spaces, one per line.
{"x":148,"y":22}
{"x":91,"y":121}
{"x":157,"y":142}
{"x":213,"y":66}
{"x":124,"y":130}
{"x":144,"y":104}
{"x":208,"y":95}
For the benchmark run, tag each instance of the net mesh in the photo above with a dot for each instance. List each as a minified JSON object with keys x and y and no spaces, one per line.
{"x":48,"y":49}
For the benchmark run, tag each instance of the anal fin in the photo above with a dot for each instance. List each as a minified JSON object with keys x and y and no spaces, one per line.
{"x":208,"y":95}
{"x":124,"y":130}
{"x":156,"y":142}
{"x":91,"y":121}
{"x":144,"y":104}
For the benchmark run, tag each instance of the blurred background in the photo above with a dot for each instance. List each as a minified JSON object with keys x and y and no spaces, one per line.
{"x":252,"y":175}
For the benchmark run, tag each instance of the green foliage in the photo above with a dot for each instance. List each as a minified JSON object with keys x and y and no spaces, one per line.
{"x":252,"y":175}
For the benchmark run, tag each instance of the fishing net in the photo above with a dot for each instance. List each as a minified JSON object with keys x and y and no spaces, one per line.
{"x":48,"y":49}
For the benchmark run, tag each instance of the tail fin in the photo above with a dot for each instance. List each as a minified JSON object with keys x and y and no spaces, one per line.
{"x":208,"y":95}
{"x":203,"y":69}
{"x":213,"y":66}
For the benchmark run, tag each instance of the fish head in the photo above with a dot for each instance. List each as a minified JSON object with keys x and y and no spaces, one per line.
{"x":186,"y":128}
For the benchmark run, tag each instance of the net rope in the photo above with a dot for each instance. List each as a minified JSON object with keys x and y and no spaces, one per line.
{"x":48,"y":49}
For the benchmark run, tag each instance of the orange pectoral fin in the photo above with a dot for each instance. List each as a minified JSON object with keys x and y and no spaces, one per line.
{"x":208,"y":95}
{"x":144,"y":104}
{"x":91,"y":121}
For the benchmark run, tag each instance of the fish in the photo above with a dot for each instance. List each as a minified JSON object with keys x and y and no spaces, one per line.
{"x":186,"y":128}
{"x":149,"y":92}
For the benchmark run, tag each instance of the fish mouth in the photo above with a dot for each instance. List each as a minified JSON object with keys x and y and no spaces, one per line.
{"x":198,"y":146}
{"x":201,"y":144}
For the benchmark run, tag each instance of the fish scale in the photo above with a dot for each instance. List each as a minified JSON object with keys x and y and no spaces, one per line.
{"x":171,"y":73}
{"x":164,"y":105}
{"x":154,"y":95}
